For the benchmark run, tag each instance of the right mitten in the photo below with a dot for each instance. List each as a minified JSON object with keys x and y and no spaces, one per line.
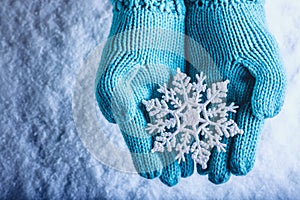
{"x":234,"y":35}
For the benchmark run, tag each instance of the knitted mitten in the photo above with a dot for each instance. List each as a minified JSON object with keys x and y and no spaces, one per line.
{"x":234,"y":43}
{"x":144,"y":47}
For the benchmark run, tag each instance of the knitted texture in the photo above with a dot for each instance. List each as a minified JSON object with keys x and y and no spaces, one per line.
{"x":234,"y":35}
{"x":216,"y":3}
{"x":134,"y":61}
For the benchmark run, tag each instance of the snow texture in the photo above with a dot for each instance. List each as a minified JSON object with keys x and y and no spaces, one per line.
{"x":43,"y":44}
{"x":190,"y":111}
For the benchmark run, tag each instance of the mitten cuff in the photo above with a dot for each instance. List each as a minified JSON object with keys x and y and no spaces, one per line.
{"x":166,"y":6}
{"x":213,"y":3}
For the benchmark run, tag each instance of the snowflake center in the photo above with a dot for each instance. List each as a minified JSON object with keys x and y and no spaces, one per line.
{"x":191,"y":117}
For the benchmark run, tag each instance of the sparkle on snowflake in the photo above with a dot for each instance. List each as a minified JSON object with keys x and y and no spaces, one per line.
{"x":191,"y":118}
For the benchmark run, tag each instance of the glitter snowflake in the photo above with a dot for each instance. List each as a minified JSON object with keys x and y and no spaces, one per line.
{"x":191,"y":118}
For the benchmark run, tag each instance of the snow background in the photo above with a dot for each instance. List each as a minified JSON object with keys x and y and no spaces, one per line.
{"x":43,"y":45}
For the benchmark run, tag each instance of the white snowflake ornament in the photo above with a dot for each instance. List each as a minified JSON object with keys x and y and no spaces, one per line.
{"x":191,"y":118}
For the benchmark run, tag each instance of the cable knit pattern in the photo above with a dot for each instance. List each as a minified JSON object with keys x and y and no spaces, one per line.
{"x":135,"y":59}
{"x":215,"y":3}
{"x":235,"y":35}
{"x":166,"y":6}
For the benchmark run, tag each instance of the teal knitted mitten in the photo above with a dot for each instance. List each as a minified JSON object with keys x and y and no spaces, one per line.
{"x":143,"y":51}
{"x":235,"y":36}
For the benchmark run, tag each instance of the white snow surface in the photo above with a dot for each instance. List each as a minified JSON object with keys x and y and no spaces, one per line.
{"x":43,"y":45}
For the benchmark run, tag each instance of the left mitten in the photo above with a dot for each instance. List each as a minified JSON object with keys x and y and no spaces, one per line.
{"x":133,"y":62}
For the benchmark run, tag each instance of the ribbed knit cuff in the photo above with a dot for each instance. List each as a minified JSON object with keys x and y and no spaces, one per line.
{"x":166,"y":6}
{"x":209,"y":3}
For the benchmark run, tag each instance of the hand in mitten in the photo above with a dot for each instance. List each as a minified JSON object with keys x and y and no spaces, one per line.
{"x":234,"y":35}
{"x":136,"y":58}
